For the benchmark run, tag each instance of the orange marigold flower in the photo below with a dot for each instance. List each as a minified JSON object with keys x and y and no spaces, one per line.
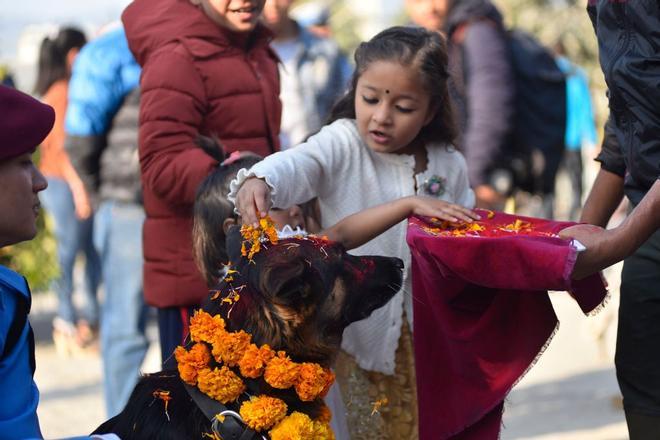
{"x":254,"y":360}
{"x":262,"y":412}
{"x":220,"y":384}
{"x":204,"y":327}
{"x":281,"y":371}
{"x":190,"y":362}
{"x":229,"y":347}
{"x":297,"y":426}
{"x":312,"y":381}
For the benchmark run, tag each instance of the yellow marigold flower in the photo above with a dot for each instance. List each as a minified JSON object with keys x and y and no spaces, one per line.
{"x":254,"y":360}
{"x":281,"y":371}
{"x":204,"y":327}
{"x":312,"y":381}
{"x":261,"y":413}
{"x":220,"y":384}
{"x":323,"y":431}
{"x":190,"y":362}
{"x":297,"y":426}
{"x":229,"y":347}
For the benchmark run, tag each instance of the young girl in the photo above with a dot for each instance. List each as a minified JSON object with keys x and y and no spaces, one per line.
{"x":390,"y":138}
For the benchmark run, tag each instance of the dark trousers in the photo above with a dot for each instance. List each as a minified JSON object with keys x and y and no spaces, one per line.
{"x":638,"y":340}
{"x":173,"y":325}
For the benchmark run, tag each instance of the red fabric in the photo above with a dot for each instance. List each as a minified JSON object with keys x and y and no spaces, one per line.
{"x":197,"y":78}
{"x":482,"y":314}
{"x":24,"y":124}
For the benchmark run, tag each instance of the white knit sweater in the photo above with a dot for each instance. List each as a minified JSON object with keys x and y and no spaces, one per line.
{"x":336,"y":166}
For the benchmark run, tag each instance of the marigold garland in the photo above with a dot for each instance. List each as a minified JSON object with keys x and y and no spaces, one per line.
{"x":313,"y":381}
{"x":191,"y":362}
{"x":229,"y":347}
{"x":221,"y":384}
{"x":254,"y":360}
{"x":234,"y":349}
{"x":204,"y":327}
{"x":281,"y":372}
{"x":263,"y":412}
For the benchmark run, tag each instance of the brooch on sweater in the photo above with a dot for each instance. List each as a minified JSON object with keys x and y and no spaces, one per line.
{"x":435,"y":185}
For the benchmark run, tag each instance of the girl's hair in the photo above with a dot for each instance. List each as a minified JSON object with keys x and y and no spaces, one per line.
{"x":212,"y":208}
{"x":53,"y":57}
{"x":416,"y":48}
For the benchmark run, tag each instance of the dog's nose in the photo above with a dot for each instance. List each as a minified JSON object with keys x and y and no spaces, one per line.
{"x":399,"y":263}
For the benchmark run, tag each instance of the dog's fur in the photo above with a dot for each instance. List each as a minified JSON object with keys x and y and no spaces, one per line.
{"x":299,"y":295}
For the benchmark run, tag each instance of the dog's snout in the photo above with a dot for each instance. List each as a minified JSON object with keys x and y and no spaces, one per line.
{"x":398,"y":262}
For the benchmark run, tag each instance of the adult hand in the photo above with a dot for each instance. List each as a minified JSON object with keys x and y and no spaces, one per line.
{"x":595,"y":257}
{"x":432,"y":207}
{"x":253,"y":200}
{"x":488,"y":198}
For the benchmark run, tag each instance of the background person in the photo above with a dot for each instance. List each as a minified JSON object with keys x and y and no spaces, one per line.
{"x":207,"y":70}
{"x":313,"y":73}
{"x":66,"y":199}
{"x":630,"y":163}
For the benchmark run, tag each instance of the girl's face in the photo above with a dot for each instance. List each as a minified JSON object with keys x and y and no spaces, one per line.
{"x":391,"y":107}
{"x":235,"y":15}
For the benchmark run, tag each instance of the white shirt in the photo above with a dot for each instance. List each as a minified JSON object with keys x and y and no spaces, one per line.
{"x":294,"y":127}
{"x":336,"y":166}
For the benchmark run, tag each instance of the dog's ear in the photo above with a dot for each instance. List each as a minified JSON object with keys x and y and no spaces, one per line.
{"x":233,"y":243}
{"x":283,"y":279}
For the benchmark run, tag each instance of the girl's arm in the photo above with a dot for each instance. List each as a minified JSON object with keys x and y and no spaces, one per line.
{"x":298,"y":174}
{"x":359,"y":228}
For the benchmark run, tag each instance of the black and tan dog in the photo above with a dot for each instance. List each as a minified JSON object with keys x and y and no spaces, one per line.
{"x":297,"y":296}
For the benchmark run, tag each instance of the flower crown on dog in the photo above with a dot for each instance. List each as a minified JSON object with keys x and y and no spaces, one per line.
{"x":234,"y":351}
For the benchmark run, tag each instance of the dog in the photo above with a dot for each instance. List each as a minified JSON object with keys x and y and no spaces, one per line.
{"x":298,"y":296}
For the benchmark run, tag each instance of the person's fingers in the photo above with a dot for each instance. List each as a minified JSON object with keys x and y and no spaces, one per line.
{"x":262,"y":202}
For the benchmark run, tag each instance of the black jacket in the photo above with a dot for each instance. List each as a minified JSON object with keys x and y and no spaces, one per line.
{"x":629,"y":47}
{"x":483,"y":88}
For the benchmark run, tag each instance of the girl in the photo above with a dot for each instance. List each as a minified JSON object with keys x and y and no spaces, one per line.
{"x":390,"y":137}
{"x":66,"y":199}
{"x":207,"y":70}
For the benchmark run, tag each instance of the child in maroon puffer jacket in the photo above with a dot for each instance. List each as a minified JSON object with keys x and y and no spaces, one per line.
{"x":207,"y":70}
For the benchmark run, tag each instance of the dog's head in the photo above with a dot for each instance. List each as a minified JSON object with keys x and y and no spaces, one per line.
{"x":300,"y":294}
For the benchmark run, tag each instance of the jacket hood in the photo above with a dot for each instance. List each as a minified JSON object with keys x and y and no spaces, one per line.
{"x":152,"y":24}
{"x":463,"y":11}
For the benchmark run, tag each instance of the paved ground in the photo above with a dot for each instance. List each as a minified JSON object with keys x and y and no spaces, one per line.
{"x":568,"y":395}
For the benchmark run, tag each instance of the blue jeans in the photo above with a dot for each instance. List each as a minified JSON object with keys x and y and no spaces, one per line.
{"x":118,"y":238}
{"x":73,"y":235}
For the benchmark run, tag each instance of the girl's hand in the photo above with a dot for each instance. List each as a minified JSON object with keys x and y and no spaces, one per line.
{"x":253,"y":200}
{"x":432,"y":207}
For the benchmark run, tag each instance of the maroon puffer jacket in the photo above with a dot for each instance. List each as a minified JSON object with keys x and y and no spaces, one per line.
{"x":197,"y":78}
